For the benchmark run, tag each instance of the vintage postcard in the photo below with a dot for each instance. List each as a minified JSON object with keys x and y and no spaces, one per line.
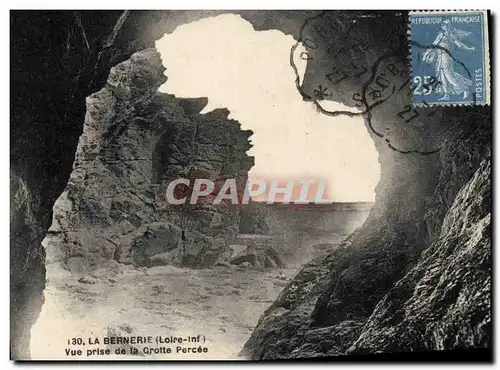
{"x":250,"y":185}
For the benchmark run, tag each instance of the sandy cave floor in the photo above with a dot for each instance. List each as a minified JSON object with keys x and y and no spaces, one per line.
{"x":222,"y":304}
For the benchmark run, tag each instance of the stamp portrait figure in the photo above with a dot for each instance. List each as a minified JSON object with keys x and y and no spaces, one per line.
{"x":440,"y":57}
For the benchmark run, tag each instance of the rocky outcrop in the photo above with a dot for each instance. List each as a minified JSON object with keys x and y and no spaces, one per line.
{"x":261,"y":256}
{"x":54,"y":71}
{"x":135,"y":142}
{"x":444,"y":302}
{"x":284,"y":330}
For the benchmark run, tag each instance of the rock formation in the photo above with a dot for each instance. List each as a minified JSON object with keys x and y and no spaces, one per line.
{"x":426,"y":159}
{"x":443,"y":302}
{"x":135,"y":142}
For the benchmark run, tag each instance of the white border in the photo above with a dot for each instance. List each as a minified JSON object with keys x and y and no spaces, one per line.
{"x":251,"y":5}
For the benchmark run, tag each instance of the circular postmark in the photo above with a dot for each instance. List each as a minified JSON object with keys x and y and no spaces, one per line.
{"x":348,"y":64}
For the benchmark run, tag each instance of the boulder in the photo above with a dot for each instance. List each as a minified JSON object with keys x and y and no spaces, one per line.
{"x":258,"y":256}
{"x":135,"y":141}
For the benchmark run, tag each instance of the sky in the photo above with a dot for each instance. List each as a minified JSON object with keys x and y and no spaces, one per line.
{"x":248,"y":72}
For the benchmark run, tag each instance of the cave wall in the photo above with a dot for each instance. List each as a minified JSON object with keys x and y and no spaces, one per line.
{"x":53,"y":72}
{"x":58,"y":58}
{"x":444,"y":301}
{"x":441,"y":300}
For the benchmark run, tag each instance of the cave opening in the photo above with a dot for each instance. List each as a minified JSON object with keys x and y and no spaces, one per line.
{"x":250,"y":75}
{"x":249,"y":72}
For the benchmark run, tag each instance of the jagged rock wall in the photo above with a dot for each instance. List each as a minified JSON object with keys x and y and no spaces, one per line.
{"x":27,"y":269}
{"x":444,"y":302}
{"x":135,"y":141}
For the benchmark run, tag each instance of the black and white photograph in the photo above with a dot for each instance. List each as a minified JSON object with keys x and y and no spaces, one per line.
{"x":250,"y":185}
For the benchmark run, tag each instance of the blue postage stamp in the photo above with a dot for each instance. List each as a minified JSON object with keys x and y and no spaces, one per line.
{"x":450,"y":57}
